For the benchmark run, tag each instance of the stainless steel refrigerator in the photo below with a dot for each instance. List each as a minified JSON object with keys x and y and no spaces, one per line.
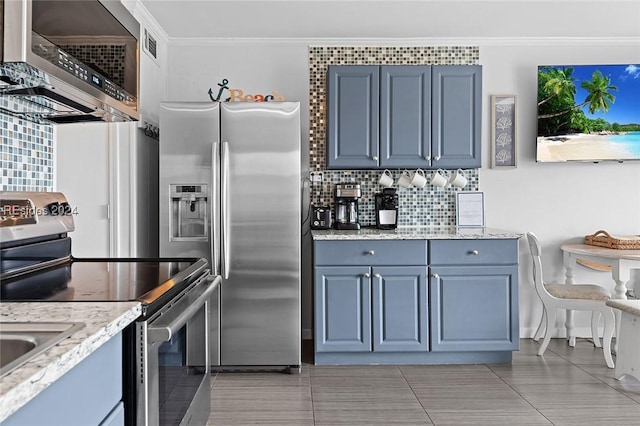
{"x":230,"y":191}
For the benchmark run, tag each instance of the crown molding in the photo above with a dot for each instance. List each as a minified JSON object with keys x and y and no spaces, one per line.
{"x":428,"y":41}
{"x":142,"y":14}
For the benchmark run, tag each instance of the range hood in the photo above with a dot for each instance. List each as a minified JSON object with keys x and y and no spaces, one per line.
{"x":69,"y":61}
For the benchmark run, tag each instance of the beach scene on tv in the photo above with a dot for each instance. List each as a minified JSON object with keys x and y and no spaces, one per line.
{"x":588,"y":113}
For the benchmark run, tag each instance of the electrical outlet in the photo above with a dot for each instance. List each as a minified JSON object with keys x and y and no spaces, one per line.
{"x":316,"y":176}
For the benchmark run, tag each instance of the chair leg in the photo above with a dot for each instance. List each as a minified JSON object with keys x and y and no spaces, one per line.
{"x":551,"y":321}
{"x":595,"y":319}
{"x":609,"y":325}
{"x":541,"y":326}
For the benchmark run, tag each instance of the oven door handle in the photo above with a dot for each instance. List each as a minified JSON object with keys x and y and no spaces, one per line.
{"x":168,"y":324}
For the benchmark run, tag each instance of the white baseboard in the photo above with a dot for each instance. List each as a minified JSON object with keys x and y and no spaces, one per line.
{"x":525,"y":333}
{"x":583,"y":332}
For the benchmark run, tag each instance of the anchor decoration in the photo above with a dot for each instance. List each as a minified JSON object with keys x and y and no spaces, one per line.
{"x":238,"y":95}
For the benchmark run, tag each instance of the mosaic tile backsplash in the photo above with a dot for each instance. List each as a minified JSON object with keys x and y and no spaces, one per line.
{"x":26,"y":154}
{"x":428,"y":206}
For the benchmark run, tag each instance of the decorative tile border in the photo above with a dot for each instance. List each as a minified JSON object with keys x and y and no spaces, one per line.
{"x":428,"y":206}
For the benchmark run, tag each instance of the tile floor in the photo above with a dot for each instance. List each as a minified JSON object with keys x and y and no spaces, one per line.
{"x":568,"y":386}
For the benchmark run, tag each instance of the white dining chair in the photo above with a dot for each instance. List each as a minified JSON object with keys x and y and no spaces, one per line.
{"x":595,"y":316}
{"x":581,"y":297}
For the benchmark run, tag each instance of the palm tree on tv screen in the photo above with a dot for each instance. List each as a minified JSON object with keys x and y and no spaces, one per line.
{"x":599,"y":97}
{"x":557,"y":109}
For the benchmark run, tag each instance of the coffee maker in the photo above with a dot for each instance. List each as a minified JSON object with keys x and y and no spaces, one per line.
{"x":346,"y":206}
{"x":387,"y":209}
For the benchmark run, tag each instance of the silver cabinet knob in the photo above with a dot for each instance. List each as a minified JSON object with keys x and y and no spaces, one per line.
{"x":427,"y":157}
{"x":436,"y":276}
{"x":377,"y":275}
{"x":367,"y":275}
{"x":436,"y":158}
{"x":474,"y":252}
{"x":371,"y":252}
{"x":375,"y":158}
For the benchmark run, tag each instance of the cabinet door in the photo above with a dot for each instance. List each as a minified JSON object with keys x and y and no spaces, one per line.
{"x":405,"y":116}
{"x":456,"y":116}
{"x":353,"y":116}
{"x":474,"y":308}
{"x":342,"y":309}
{"x":400,"y":317}
{"x":87,"y":394}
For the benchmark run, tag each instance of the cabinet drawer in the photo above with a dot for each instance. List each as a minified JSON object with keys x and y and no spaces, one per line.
{"x":473,"y":252}
{"x":371,"y":252}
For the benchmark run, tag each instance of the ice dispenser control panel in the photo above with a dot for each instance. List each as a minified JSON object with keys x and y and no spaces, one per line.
{"x":189,"y":207}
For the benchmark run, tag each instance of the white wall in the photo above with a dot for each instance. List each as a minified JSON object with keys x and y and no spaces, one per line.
{"x":558,"y":202}
{"x":83,"y":175}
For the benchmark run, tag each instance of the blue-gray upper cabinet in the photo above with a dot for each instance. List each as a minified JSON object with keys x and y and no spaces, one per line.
{"x":352,"y":116}
{"x":405,"y":116}
{"x":456,"y":116}
{"x":425,"y":116}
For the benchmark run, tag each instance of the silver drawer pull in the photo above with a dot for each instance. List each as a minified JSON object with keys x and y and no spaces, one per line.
{"x":436,"y":276}
{"x":367,"y":275}
{"x":377,"y":275}
{"x":371,"y":252}
{"x":474,"y":252}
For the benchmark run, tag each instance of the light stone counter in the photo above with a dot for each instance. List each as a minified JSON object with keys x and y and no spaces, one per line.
{"x":415,"y":233}
{"x":630,"y":306}
{"x":103,"y":320}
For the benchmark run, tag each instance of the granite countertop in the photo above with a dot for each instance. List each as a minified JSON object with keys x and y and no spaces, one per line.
{"x":415,"y":233}
{"x":103,"y":320}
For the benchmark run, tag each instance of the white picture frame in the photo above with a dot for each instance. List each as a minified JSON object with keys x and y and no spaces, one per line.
{"x":470,"y":209}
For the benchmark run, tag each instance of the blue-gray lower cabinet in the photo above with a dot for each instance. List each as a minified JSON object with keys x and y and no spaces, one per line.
{"x":415,"y":301}
{"x":400,"y":311}
{"x":342,"y":309}
{"x":474,"y":308}
{"x":379,"y":309}
{"x":88,"y":394}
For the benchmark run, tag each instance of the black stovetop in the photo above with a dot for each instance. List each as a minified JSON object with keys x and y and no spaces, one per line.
{"x":96,"y":280}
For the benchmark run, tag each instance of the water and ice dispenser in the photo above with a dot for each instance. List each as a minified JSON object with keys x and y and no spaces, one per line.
{"x":189,"y":206}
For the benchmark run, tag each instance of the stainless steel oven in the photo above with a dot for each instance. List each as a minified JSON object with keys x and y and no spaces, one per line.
{"x":172,"y":390}
{"x":165,"y":352}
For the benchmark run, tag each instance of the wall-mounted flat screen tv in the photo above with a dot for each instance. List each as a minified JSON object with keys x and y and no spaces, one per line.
{"x":588,"y":113}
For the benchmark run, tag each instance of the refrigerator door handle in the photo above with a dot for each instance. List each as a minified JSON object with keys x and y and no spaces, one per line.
{"x":226,"y":253}
{"x":215,"y":209}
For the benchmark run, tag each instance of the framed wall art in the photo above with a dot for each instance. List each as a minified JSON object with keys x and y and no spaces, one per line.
{"x":503,"y":131}
{"x":469,"y":209}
